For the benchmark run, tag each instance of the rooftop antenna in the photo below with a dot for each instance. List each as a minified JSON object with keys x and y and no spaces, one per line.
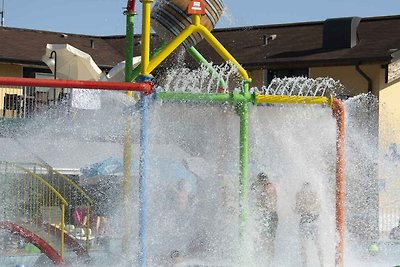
{"x":2,"y":13}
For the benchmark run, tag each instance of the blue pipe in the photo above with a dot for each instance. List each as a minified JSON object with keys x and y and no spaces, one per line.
{"x":143,"y":176}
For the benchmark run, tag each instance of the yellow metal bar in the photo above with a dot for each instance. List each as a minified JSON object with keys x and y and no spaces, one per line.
{"x":31,"y":200}
{"x":127,"y":158}
{"x":170,"y":48}
{"x":146,"y":7}
{"x":72,"y":183}
{"x":15,"y":191}
{"x":24,"y":197}
{"x":37,"y":202}
{"x":48,"y":212}
{"x":126,"y":183}
{"x":12,"y":188}
{"x":49,"y":186}
{"x":221,"y":50}
{"x":20,"y":181}
{"x":87,"y":226}
{"x":59,"y":186}
{"x":43,"y":195}
{"x":148,"y":66}
{"x":196,"y":19}
{"x":62,"y":229}
{"x":283,"y":99}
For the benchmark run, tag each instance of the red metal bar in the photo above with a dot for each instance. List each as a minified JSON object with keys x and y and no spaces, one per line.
{"x":338,"y":113}
{"x":35,"y":240}
{"x":131,"y":6}
{"x":144,"y":87}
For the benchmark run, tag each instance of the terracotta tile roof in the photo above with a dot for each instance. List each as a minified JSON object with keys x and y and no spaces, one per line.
{"x":298,"y":44}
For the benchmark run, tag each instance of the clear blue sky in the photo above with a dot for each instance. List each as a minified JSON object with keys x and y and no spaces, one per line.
{"x":104,"y":17}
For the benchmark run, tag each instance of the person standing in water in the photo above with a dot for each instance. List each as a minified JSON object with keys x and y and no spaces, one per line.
{"x":266,"y":202}
{"x":181,"y":196}
{"x":395,"y":232}
{"x":308,"y":206}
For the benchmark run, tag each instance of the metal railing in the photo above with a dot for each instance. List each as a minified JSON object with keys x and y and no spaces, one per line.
{"x":29,"y":201}
{"x":42,"y":201}
{"x":77,"y":198}
{"x":26,"y":101}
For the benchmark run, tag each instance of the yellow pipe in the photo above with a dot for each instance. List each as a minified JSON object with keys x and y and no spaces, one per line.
{"x":196,"y":19}
{"x":62,"y":229}
{"x":52,"y":189}
{"x":24,"y":196}
{"x":37,"y":203}
{"x":126,"y":184}
{"x":30,"y":200}
{"x":148,"y":66}
{"x":13,"y":194}
{"x":221,"y":50}
{"x":87,"y":226}
{"x":215,"y":44}
{"x":48,"y":213}
{"x":43,"y":195}
{"x":283,"y":99}
{"x":72,"y":183}
{"x":59,"y":185}
{"x":127,"y":159}
{"x":170,"y":48}
{"x":24,"y":188}
{"x":146,"y":36}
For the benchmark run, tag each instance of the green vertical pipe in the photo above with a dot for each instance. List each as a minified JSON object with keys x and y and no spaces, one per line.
{"x":200,"y":59}
{"x":243,"y":112}
{"x":127,"y":153}
{"x":129,"y":46}
{"x":136,"y":72}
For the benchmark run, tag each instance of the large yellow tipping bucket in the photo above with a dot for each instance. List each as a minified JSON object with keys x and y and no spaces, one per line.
{"x":169,"y":18}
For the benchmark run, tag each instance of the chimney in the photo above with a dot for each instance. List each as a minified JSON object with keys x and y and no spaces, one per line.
{"x":91,"y":43}
{"x":268,"y":38}
{"x":340,"y":32}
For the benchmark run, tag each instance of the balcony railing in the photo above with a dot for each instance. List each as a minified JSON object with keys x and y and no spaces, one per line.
{"x":27,"y":101}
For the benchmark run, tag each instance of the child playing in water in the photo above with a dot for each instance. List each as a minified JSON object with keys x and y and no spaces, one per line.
{"x":177,"y":258}
{"x":266,"y":201}
{"x":308,"y":206}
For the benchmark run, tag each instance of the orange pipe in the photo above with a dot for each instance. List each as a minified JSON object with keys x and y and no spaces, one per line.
{"x":338,"y":113}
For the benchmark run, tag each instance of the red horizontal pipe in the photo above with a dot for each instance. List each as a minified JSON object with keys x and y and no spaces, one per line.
{"x":131,"y":6}
{"x":338,"y":113}
{"x":144,"y":87}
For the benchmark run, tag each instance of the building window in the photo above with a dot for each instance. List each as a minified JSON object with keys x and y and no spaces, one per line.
{"x":270,"y":74}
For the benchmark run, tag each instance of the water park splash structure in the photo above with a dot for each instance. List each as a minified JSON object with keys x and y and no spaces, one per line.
{"x":239,"y":100}
{"x":196,"y":10}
